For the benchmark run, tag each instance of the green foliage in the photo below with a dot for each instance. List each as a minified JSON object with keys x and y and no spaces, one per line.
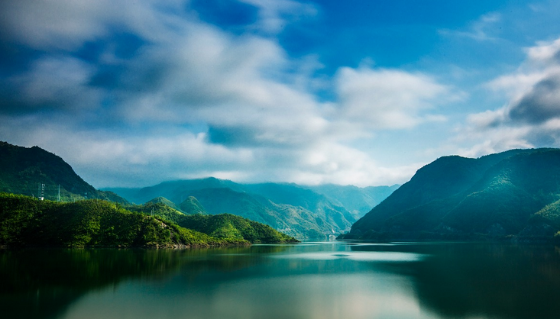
{"x":28,"y":221}
{"x":295,"y":210}
{"x":230,"y":226}
{"x":25,"y":170}
{"x":511,"y":194}
{"x":192,"y":206}
{"x":221,"y":226}
{"x":308,"y":216}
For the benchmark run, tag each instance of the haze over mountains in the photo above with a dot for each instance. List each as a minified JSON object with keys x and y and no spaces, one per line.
{"x":513,"y":194}
{"x":300,"y":211}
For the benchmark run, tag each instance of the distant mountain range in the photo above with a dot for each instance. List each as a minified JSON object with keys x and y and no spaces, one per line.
{"x":299,"y":211}
{"x":514,"y":194}
{"x":43,"y":202}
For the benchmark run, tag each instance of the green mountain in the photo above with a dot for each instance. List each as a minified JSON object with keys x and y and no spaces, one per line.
{"x":358,"y":201}
{"x":72,"y":220}
{"x":192,"y":206}
{"x":26,"y":221}
{"x":39,"y":173}
{"x":289,"y":208}
{"x":164,"y":201}
{"x":513,"y":194}
{"x":222,"y":226}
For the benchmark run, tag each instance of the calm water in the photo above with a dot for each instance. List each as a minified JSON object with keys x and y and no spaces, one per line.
{"x":309,"y":280}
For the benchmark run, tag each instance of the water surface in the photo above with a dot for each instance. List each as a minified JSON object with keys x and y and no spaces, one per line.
{"x":308,"y":280}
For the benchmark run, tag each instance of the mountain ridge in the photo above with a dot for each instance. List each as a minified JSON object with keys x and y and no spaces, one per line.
{"x":496,"y":196}
{"x":37,"y":172}
{"x":297,"y":210}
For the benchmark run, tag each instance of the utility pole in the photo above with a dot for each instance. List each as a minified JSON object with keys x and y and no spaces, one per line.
{"x":59,"y":193}
{"x":41,"y":191}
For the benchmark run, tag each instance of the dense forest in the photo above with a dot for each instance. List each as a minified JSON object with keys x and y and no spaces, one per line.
{"x":39,"y":173}
{"x":305,"y":212}
{"x":511,"y":195}
{"x":26,"y":221}
{"x":299,"y":211}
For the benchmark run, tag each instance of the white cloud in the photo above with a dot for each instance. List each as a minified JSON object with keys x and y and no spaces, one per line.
{"x":67,"y":24}
{"x":387,"y":99}
{"x":256,"y":115}
{"x":531,"y":117}
{"x":545,"y":52}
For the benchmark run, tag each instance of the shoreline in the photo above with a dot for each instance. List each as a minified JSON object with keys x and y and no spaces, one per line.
{"x":172,"y":247}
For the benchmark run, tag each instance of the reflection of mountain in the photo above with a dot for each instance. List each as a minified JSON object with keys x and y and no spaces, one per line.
{"x":43,"y":283}
{"x":483,"y":280}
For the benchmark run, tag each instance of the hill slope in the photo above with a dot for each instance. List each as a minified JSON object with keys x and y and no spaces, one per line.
{"x":27,"y":221}
{"x":34,"y":171}
{"x":358,"y":201}
{"x":513,"y":193}
{"x":295,"y":210}
{"x":222,"y":226}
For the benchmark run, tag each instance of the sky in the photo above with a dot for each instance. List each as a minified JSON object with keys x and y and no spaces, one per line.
{"x":133,"y":93}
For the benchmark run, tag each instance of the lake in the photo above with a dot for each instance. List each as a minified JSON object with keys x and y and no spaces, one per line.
{"x":307,"y":280}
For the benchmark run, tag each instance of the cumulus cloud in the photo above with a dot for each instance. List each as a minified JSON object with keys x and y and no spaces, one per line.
{"x":532,"y":115}
{"x":53,"y":82}
{"x":139,"y":92}
{"x":386,"y":99}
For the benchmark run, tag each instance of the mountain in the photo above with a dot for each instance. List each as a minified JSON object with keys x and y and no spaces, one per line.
{"x":36,"y":172}
{"x":221,"y":226}
{"x":75,"y":221}
{"x":192,"y":206}
{"x":358,"y":201}
{"x":514,"y":194}
{"x":27,"y":221}
{"x":295,"y":210}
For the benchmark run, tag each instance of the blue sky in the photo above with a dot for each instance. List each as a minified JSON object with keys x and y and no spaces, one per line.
{"x":132,"y":93}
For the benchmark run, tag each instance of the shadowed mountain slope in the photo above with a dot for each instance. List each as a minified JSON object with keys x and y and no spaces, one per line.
{"x":505,"y":194}
{"x":35,"y":172}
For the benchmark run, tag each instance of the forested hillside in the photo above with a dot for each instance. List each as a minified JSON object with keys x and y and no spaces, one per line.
{"x":26,"y":221}
{"x":512,"y":194}
{"x":39,"y":173}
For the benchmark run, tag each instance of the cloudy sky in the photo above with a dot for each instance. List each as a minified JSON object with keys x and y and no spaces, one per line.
{"x":132,"y":93}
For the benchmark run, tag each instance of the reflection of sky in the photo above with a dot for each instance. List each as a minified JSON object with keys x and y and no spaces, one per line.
{"x":319,"y":280}
{"x":304,"y":281}
{"x":356,"y":256}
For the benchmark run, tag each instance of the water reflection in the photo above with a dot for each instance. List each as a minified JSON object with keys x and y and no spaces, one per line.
{"x":311,"y":280}
{"x":490,"y":281}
